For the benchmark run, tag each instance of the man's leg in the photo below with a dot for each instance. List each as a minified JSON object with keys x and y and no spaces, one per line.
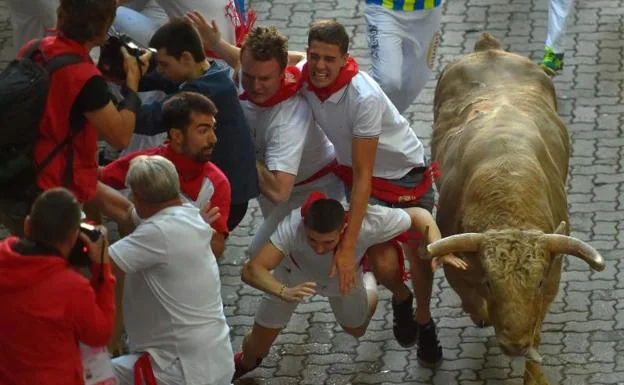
{"x":272,"y":316}
{"x":386,"y":53}
{"x":211,"y":9}
{"x":31,"y":19}
{"x":420,"y":48}
{"x":355,"y":310}
{"x":384,"y":260}
{"x":558,"y":16}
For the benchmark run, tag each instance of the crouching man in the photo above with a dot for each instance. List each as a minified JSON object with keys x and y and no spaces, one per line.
{"x":172,"y":305}
{"x":300,"y":253}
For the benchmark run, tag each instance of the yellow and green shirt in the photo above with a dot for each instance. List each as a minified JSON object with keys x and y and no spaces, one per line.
{"x":406,"y":5}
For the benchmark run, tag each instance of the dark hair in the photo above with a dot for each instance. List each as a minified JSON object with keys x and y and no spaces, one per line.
{"x":53,"y":216}
{"x":325,"y":216}
{"x":330,"y":32}
{"x":266,"y":43}
{"x":177,"y":110}
{"x":84,"y":20}
{"x":179,"y":36}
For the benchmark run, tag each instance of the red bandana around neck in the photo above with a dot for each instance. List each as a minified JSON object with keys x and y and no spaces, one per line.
{"x":290,"y":85}
{"x":347,"y":73}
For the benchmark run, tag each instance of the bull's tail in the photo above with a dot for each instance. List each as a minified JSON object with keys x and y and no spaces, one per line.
{"x":487,"y":42}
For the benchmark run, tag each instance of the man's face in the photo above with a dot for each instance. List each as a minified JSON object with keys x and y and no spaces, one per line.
{"x":324,"y":63}
{"x":200,"y":138}
{"x":260,"y":79}
{"x":171,"y":68}
{"x":323,"y":243}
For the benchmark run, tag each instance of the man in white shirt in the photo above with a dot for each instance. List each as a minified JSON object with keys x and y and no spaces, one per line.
{"x":294,"y":157}
{"x":381,"y":160}
{"x":173,"y":312}
{"x":300,"y":255}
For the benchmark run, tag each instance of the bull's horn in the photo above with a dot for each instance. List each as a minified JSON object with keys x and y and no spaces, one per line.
{"x":459,"y":243}
{"x":561,"y":229}
{"x":563,"y":244}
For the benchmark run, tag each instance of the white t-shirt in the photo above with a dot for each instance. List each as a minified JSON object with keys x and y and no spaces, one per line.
{"x":172,"y":294}
{"x":279,"y":133}
{"x":379,"y":225}
{"x":362,"y":110}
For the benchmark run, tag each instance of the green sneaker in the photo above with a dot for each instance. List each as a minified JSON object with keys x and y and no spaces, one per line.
{"x":552,"y":62}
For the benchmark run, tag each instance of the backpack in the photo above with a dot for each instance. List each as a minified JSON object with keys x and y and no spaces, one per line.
{"x":24,"y":86}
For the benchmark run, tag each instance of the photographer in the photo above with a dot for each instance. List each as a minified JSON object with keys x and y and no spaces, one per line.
{"x":47,"y":307}
{"x":79,"y":102}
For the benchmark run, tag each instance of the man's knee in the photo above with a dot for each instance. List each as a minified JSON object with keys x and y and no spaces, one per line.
{"x":384,"y":259}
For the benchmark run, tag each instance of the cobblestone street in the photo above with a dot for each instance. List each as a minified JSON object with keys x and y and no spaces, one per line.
{"x":583,"y":335}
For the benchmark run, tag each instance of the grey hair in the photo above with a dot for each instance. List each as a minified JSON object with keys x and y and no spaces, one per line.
{"x":153,"y":178}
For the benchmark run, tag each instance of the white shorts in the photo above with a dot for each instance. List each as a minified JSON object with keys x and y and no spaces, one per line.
{"x":123,"y":368}
{"x":403,"y":47}
{"x":350,"y":311}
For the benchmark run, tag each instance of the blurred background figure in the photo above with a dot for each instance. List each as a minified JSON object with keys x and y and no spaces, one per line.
{"x":558,"y":16}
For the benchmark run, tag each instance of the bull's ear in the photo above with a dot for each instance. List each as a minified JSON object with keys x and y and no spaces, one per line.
{"x":561,"y":229}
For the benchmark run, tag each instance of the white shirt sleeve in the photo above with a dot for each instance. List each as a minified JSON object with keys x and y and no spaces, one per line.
{"x":144,"y":248}
{"x":285,"y":234}
{"x":368,"y":117}
{"x":381,"y":224}
{"x":286,"y":135}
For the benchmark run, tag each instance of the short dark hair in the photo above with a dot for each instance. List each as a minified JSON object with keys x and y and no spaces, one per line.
{"x":266,"y":43}
{"x":84,"y":20}
{"x":55,"y":214}
{"x":177,"y":110}
{"x":177,"y":37}
{"x":325,"y":216}
{"x":329,"y":32}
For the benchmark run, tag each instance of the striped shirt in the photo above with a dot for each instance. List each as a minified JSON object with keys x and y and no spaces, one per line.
{"x":406,"y":5}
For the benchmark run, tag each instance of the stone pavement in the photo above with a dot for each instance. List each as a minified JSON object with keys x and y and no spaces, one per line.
{"x":583,"y":339}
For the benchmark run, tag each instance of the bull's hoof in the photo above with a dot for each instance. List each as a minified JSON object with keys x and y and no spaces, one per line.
{"x":480,"y":323}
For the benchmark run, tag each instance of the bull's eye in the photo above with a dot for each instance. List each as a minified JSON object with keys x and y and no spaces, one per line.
{"x":541,"y":283}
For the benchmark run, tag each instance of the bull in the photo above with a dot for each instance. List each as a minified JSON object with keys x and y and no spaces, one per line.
{"x":503,"y":152}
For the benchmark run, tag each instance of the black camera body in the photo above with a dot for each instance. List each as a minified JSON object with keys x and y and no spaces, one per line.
{"x":111,"y":62}
{"x":79,"y":256}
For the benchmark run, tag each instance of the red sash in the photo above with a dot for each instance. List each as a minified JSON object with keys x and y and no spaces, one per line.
{"x":329,"y":168}
{"x":143,"y":371}
{"x":387,"y":191}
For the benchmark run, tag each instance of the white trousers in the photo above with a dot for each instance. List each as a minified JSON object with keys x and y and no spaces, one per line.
{"x":139,"y":19}
{"x":558,"y":16}
{"x":123,"y":368}
{"x":329,"y":184}
{"x":31,"y":18}
{"x":403,"y":48}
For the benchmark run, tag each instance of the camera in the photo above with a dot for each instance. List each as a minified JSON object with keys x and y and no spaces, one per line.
{"x":111,"y":62}
{"x":79,"y":256}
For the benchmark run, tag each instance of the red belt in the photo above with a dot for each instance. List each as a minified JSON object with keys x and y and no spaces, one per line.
{"x":143,"y":371}
{"x":328,"y":169}
{"x":388,"y":191}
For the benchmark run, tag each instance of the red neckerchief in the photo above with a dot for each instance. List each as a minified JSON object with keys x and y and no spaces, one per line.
{"x":290,"y":86}
{"x":191,"y":172}
{"x":347,"y":73}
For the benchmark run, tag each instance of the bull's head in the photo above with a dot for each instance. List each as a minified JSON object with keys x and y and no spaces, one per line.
{"x":517,"y":265}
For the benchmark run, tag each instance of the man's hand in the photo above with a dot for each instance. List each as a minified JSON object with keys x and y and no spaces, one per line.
{"x":209,"y":214}
{"x":97,"y":250}
{"x":133,"y":70}
{"x":344,"y":265}
{"x":209,"y":32}
{"x":299,"y":292}
{"x":449,"y":259}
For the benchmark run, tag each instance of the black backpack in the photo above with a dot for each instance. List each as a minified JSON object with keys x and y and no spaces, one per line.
{"x":24,"y":86}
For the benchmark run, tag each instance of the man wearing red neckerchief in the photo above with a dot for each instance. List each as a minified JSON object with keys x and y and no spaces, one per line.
{"x":381,"y":160}
{"x":293,"y":266}
{"x":190,"y":119}
{"x":294,"y":157}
